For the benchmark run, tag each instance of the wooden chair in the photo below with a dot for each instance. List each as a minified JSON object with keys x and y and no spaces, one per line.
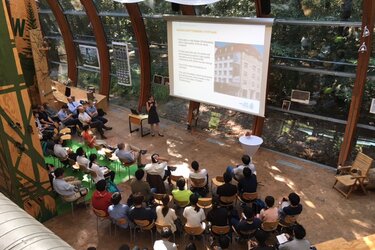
{"x":159,"y":229}
{"x":204,"y":203}
{"x":175,"y":178}
{"x":354,"y":175}
{"x":228,"y":200}
{"x":144,"y":225}
{"x":157,"y":182}
{"x":220,"y":230}
{"x":194,"y":231}
{"x":244,"y":234}
{"x":269,"y":226}
{"x":120,"y":222}
{"x":159,"y":197}
{"x":197,"y":182}
{"x":180,"y":204}
{"x":101,"y":216}
{"x":247,"y":197}
{"x":127,"y":166}
{"x":217,"y":181}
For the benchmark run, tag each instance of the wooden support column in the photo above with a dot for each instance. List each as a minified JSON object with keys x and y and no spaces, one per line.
{"x":144,"y":52}
{"x":70,"y":48}
{"x":101,"y":43}
{"x":258,"y":120}
{"x":368,"y":19}
{"x":193,"y":106}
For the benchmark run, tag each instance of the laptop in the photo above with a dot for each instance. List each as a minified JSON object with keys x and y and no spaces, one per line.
{"x":134,"y":112}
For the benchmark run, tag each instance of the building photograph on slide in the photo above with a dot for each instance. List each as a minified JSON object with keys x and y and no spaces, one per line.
{"x":238,"y":69}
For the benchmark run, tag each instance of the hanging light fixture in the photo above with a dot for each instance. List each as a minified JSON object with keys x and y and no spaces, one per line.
{"x":362,"y":48}
{"x":366,"y":32}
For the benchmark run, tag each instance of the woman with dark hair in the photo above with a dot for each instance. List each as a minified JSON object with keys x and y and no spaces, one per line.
{"x":165,"y":215}
{"x":153,"y":117}
{"x":101,"y":172}
{"x":194,"y":215}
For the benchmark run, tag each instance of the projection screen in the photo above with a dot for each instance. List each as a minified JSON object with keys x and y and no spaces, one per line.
{"x":220,"y":61}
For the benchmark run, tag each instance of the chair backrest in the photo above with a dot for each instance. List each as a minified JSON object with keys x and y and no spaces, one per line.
{"x":193,"y":230}
{"x":270,"y":225}
{"x":228,"y":199}
{"x":121,"y":221}
{"x":220,"y":230}
{"x":84,"y":168}
{"x":157,"y":182}
{"x":144,"y":224}
{"x":159,"y":227}
{"x":291,"y":219}
{"x":175,"y":178}
{"x":100,"y":213}
{"x":219,"y":178}
{"x":197,"y":182}
{"x":126,"y":164}
{"x":204,"y":202}
{"x":362,"y":163}
{"x":93,"y":174}
{"x":249,"y":196}
{"x":181,"y":203}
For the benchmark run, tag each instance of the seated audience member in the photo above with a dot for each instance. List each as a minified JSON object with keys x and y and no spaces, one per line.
{"x":247,"y":223}
{"x":73,"y":106}
{"x":101,"y":172}
{"x":298,"y":243}
{"x":69,"y":179}
{"x":51,"y":112}
{"x":227,"y":189}
{"x":141,"y":187}
{"x":66,"y":118}
{"x":199,"y":174}
{"x":249,"y":183}
{"x":118,"y":211}
{"x":81,"y":157}
{"x":101,"y":199}
{"x":166,"y":216}
{"x":128,"y":154}
{"x":164,"y":243}
{"x":96,"y":114}
{"x":45,"y":119}
{"x":85,"y":119}
{"x":193,"y":214}
{"x":260,"y":241}
{"x":62,"y":153}
{"x":290,"y":206}
{"x":68,"y":191}
{"x":138,"y":212}
{"x":45,"y":130}
{"x":90,"y":139}
{"x":159,"y":167}
{"x":237,"y":172}
{"x":218,"y":215}
{"x":270,"y":213}
{"x":181,"y":195}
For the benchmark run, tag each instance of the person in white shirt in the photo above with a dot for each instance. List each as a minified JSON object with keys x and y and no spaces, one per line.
{"x":198,"y":174}
{"x":62,"y":153}
{"x":166,"y":216}
{"x":81,"y":157}
{"x":101,"y":172}
{"x":164,"y":243}
{"x":85,"y":119}
{"x":194,"y":215}
{"x":237,"y":172}
{"x":68,"y":191}
{"x":158,"y":167}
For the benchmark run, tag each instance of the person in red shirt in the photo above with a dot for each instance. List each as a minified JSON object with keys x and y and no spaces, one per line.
{"x":101,"y":199}
{"x":87,"y":135}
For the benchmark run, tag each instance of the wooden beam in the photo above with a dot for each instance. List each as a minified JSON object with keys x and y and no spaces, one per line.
{"x":70,"y":48}
{"x":101,"y":43}
{"x":193,"y":106}
{"x":258,"y":122}
{"x":368,"y":19}
{"x":144,"y":52}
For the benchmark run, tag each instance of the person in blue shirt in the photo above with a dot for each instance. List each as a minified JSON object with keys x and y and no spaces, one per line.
{"x":118,"y":211}
{"x":73,"y":106}
{"x":66,"y":118}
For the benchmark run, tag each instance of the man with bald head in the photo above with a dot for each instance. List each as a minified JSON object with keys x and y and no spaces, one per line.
{"x":73,"y":106}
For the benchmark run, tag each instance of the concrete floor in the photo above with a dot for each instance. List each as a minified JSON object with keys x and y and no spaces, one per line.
{"x":326,"y":215}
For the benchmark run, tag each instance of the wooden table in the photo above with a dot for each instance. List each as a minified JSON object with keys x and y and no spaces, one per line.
{"x":138,"y":120}
{"x":80,"y":94}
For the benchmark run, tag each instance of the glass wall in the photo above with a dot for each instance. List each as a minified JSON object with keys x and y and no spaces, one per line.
{"x":314,"y":48}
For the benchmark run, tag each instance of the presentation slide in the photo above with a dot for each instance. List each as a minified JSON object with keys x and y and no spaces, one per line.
{"x":220,"y":63}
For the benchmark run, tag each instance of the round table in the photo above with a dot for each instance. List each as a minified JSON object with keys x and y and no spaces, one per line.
{"x":250,"y":144}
